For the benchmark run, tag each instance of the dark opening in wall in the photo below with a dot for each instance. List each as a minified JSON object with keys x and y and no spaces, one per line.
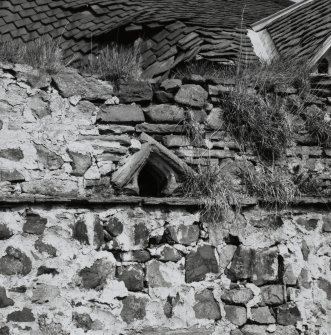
{"x":323,"y":66}
{"x":151,"y":182}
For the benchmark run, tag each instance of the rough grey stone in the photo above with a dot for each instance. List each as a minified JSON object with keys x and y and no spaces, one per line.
{"x":70,"y":84}
{"x":1,"y":124}
{"x":44,"y":270}
{"x":80,"y":163}
{"x":235,"y":314}
{"x":325,"y":285}
{"x":5,"y":232}
{"x":13,"y":154}
{"x":25,"y":315}
{"x":171,"y":85}
{"x":44,"y":247}
{"x":141,"y":235}
{"x":4,"y":300}
{"x":132,"y":276}
{"x":238,"y":296}
{"x":199,"y":263}
{"x":82,"y":320}
{"x":262,"y":315}
{"x":173,"y":141}
{"x":308,"y":224}
{"x":121,"y":114}
{"x":168,"y":253}
{"x":272,"y":295}
{"x":95,"y":277}
{"x":48,"y":158}
{"x":206,"y":307}
{"x":4,"y":330}
{"x":38,"y":106}
{"x":164,"y":97}
{"x":326,"y":228}
{"x":135,"y":91}
{"x":305,"y":250}
{"x":34,"y":224}
{"x":254,"y":330}
{"x":191,"y":95}
{"x":164,"y":113}
{"x":80,"y":232}
{"x":11,"y":175}
{"x":304,"y":279}
{"x":261,"y":266}
{"x":15,"y":262}
{"x":113,"y":226}
{"x":288,"y":314}
{"x":182,"y":234}
{"x":134,"y":308}
{"x":51,"y":187}
{"x":44,"y":293}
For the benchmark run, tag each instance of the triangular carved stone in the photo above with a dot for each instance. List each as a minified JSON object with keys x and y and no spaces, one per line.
{"x":162,"y":170}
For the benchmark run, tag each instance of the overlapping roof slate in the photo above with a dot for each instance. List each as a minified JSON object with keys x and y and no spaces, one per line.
{"x":173,"y":31}
{"x":301,"y":30}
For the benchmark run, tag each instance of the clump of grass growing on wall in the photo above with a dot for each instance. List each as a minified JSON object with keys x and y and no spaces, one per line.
{"x":117,"y":62}
{"x":257,"y":121}
{"x":272,"y":185}
{"x":216,"y":192}
{"x":42,"y":53}
{"x":318,"y":125}
{"x":193,"y":129}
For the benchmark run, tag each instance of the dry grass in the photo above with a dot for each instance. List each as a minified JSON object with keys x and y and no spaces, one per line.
{"x":272,"y":185}
{"x":318,"y":125}
{"x":193,"y":129}
{"x":258,"y":122}
{"x":117,"y":63}
{"x":42,"y":53}
{"x":216,"y":192}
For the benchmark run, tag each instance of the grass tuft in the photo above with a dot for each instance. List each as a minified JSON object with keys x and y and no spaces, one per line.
{"x":42,"y":53}
{"x":217,"y":193}
{"x":257,"y":121}
{"x":273,"y":185}
{"x":116,"y":63}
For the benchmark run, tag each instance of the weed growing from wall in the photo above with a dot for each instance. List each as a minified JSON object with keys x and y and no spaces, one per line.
{"x":273,"y":185}
{"x":42,"y":53}
{"x":217,"y":193}
{"x":258,"y":122}
{"x":117,"y":62}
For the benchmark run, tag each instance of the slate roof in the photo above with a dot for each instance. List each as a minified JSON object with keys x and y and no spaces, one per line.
{"x":173,"y":30}
{"x":302,"y":30}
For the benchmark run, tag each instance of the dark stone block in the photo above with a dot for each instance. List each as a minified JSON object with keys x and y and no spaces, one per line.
{"x":163,"y":97}
{"x":206,"y":307}
{"x":44,"y":247}
{"x":288,"y":314}
{"x":325,"y":285}
{"x":83,"y":321}
{"x":236,"y":314}
{"x":80,"y":232}
{"x":11,"y":175}
{"x":238,"y":296}
{"x":132,"y":275}
{"x":114,"y":226}
{"x":326,"y":224}
{"x":15,"y":263}
{"x":80,"y":163}
{"x":272,"y":295}
{"x":95,"y":277}
{"x":135,"y":91}
{"x":141,"y":234}
{"x":4,"y":300}
{"x":199,"y":263}
{"x":309,"y":224}
{"x":120,"y":114}
{"x":4,"y":330}
{"x":34,"y":224}
{"x":134,"y":308}
{"x":24,"y":315}
{"x":260,"y":266}
{"x":5,"y":232}
{"x":44,"y":270}
{"x":13,"y":154}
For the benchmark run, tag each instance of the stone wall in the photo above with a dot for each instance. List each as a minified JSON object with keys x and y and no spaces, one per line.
{"x":78,"y":255}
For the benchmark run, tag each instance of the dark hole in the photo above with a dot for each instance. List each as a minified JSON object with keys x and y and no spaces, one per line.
{"x":323,"y":66}
{"x":150,"y":182}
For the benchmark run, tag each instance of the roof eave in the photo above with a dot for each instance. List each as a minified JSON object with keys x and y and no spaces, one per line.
{"x":259,"y":25}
